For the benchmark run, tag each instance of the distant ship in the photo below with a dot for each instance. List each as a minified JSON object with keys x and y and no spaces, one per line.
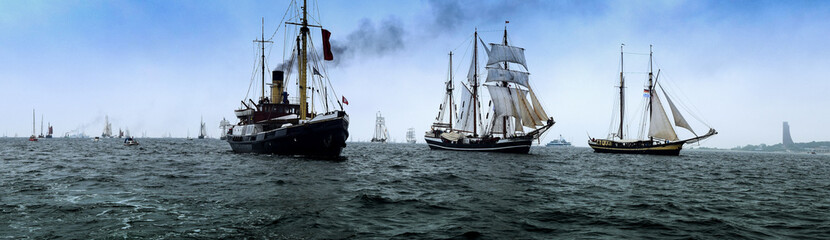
{"x":381,"y":133}
{"x":33,"y":138}
{"x":224,"y":125}
{"x":41,"y":127}
{"x":202,"y":130}
{"x":559,"y":142}
{"x":313,"y":125}
{"x":509,"y":112}
{"x":662,"y":138}
{"x":410,"y":135}
{"x":107,"y":128}
{"x":49,"y":133}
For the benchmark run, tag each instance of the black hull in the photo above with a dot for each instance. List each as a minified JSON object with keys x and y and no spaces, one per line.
{"x":514,"y":145}
{"x":670,"y":149}
{"x":317,"y":139}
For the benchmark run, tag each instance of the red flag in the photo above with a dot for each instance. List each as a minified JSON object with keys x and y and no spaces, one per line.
{"x":345,"y":101}
{"x":327,"y":55}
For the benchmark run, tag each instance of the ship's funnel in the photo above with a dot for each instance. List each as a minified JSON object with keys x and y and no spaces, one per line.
{"x":277,"y":88}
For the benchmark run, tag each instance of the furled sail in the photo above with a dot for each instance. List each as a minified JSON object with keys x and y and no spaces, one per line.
{"x":660,"y":126}
{"x":466,"y":116}
{"x":505,"y":75}
{"x":503,"y":53}
{"x":678,"y":119}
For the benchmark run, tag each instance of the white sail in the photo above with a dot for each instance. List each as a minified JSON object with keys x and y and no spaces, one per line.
{"x":472,"y":73}
{"x":537,"y":107}
{"x":466,"y":116}
{"x":502,"y":102}
{"x":505,"y":75}
{"x":503,"y":53}
{"x":529,"y":118}
{"x":660,"y":127}
{"x":679,"y":120}
{"x":381,"y":133}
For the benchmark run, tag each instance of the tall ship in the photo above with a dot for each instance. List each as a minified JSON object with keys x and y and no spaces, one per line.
{"x":410,"y":135}
{"x":107,"y":128}
{"x":312,"y":124}
{"x":381,"y":133}
{"x":661,"y":137}
{"x":560,"y":142}
{"x":224,"y":125}
{"x":515,"y":117}
{"x":202,"y":129}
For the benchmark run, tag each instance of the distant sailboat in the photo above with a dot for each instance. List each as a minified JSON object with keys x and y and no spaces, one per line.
{"x":410,"y":135}
{"x":224,"y":125}
{"x":662,"y":137}
{"x":202,"y":129}
{"x":107,"y":128}
{"x":49,"y":133}
{"x":381,"y":133}
{"x":513,"y":106}
{"x":33,"y":138}
{"x":41,"y":127}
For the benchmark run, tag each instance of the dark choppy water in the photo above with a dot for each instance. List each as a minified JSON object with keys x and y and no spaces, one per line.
{"x":173,"y":188}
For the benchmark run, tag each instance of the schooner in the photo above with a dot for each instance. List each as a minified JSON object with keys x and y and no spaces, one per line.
{"x":515,"y":116}
{"x":662,"y":137}
{"x":381,"y":133}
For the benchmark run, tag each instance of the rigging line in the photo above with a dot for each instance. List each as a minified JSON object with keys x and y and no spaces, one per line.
{"x":280,"y":25}
{"x":691,"y":109}
{"x":636,"y":53}
{"x":253,"y":72}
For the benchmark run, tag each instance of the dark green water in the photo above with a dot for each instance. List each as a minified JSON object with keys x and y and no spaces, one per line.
{"x":174,"y":188}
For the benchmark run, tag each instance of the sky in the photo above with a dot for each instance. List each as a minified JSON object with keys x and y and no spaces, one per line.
{"x":156,"y":67}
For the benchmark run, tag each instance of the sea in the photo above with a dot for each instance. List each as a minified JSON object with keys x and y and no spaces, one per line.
{"x":199,"y":189}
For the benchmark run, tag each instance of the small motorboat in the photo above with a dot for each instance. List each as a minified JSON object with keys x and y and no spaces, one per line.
{"x":130,"y":142}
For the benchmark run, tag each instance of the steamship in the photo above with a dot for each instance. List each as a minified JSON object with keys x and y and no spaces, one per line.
{"x":315,"y":126}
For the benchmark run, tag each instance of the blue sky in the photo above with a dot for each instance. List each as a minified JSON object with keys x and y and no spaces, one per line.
{"x":157,"y":66}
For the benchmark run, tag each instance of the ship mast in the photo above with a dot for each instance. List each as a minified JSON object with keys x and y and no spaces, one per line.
{"x":504,"y":84}
{"x":650,"y":85}
{"x":449,"y":91}
{"x":475,"y":82}
{"x":622,"y":95}
{"x":303,"y":63}
{"x":262,"y":48}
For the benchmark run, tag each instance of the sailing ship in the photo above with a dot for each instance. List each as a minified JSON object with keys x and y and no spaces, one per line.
{"x":410,"y":135}
{"x":33,"y":138}
{"x":381,"y":133}
{"x":107,"y":128}
{"x":224,"y":125}
{"x":202,"y":129}
{"x":314,"y":125}
{"x":661,"y":137}
{"x":49,"y":133}
{"x":561,"y":142}
{"x":41,"y":127}
{"x":510,"y":111}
